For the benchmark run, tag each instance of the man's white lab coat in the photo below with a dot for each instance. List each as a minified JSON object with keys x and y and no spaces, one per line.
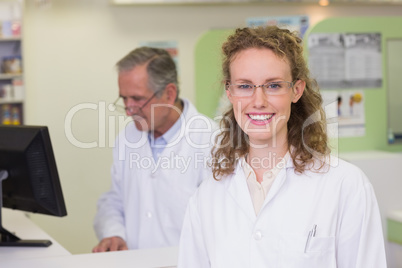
{"x":147,"y":201}
{"x":221,"y":229}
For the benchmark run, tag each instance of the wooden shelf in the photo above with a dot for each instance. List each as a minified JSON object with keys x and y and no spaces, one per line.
{"x":9,"y":76}
{"x":11,"y":101}
{"x":11,"y":38}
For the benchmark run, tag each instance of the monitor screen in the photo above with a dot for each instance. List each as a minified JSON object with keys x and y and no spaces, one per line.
{"x":28,"y":175}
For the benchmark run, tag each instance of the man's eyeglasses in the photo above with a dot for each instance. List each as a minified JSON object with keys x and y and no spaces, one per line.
{"x":271,"y":88}
{"x":133,"y":109}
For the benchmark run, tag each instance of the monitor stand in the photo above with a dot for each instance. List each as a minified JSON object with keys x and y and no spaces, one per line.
{"x":8,"y":239}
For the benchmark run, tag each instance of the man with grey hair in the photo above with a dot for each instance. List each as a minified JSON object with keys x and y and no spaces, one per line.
{"x":159,"y":159}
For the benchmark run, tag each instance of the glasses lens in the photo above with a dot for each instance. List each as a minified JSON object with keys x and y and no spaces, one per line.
{"x":277,"y":88}
{"x":241,"y":90}
{"x":272,"y":88}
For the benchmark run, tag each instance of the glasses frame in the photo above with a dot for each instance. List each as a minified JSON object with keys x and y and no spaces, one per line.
{"x":290,"y":85}
{"x":130,"y":109}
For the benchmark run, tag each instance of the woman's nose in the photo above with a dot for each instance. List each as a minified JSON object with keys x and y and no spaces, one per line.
{"x":260,"y":98}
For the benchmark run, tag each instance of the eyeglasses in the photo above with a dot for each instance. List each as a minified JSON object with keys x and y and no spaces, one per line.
{"x":120,"y":107}
{"x":271,"y":88}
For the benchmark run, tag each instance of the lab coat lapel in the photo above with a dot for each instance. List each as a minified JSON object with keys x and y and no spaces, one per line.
{"x":279,"y":181}
{"x":238,"y":190}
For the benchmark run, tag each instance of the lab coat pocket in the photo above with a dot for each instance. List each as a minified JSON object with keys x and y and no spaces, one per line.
{"x":321,"y":244}
{"x":298,"y":251}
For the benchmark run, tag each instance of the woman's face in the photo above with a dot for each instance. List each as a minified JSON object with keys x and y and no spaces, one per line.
{"x":262,"y":116}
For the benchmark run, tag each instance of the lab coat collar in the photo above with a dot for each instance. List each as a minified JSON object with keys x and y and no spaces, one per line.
{"x":238,"y":189}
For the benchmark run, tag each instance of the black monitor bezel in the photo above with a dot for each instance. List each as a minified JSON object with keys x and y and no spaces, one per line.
{"x":20,"y":139}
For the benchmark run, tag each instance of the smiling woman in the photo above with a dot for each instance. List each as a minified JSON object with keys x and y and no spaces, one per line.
{"x":270,"y":62}
{"x":277,"y":198}
{"x":262,"y":110}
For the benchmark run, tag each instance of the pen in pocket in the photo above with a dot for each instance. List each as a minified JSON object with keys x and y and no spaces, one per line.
{"x":311,"y":233}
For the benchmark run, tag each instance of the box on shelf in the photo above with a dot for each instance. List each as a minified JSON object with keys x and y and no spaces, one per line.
{"x":10,"y":28}
{"x":6,"y":92}
{"x":11,"y":65}
{"x":16,"y":28}
{"x":12,"y":92}
{"x":18,"y":89}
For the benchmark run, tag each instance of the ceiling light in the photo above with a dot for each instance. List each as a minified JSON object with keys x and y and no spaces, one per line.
{"x":323,"y":3}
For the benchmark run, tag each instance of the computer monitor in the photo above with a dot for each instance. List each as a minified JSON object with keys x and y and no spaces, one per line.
{"x":29,"y":180}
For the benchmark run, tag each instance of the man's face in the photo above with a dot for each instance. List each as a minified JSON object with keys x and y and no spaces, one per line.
{"x":147,"y":110}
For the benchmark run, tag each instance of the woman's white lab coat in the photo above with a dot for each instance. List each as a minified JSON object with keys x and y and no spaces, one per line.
{"x":221,"y":229}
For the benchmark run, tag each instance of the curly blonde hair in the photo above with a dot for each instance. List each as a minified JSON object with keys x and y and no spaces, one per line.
{"x":306,"y":126}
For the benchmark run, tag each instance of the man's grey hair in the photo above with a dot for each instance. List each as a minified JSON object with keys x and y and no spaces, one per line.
{"x":160,"y":66}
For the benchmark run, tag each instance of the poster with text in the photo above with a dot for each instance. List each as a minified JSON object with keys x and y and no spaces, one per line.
{"x":346,"y":60}
{"x":292,"y":23}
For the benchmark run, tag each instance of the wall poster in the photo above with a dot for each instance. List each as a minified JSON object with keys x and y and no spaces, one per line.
{"x":348,"y":109}
{"x":346,"y":60}
{"x":292,"y":23}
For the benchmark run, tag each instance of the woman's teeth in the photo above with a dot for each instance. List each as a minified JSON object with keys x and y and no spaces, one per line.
{"x":260,"y":117}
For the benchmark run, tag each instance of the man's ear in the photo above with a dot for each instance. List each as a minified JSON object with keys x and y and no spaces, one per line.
{"x":298,"y":90}
{"x":171,"y":93}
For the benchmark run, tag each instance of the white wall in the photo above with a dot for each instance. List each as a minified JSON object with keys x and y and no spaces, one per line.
{"x":383,"y":169}
{"x":70,"y":49}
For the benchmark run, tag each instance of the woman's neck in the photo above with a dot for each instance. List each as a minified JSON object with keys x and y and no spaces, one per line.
{"x":263,"y":159}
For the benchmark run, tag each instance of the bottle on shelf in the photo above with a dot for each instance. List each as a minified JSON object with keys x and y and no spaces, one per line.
{"x":15,"y":116}
{"x":6,"y":115}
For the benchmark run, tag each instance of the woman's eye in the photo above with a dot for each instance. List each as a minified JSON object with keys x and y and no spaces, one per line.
{"x":244,"y":86}
{"x":274,"y":85}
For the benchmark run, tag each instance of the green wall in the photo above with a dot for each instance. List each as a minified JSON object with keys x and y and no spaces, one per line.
{"x":209,"y":88}
{"x":208,"y":78}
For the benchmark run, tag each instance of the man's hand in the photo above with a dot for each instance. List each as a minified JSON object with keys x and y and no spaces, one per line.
{"x":113,"y":243}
